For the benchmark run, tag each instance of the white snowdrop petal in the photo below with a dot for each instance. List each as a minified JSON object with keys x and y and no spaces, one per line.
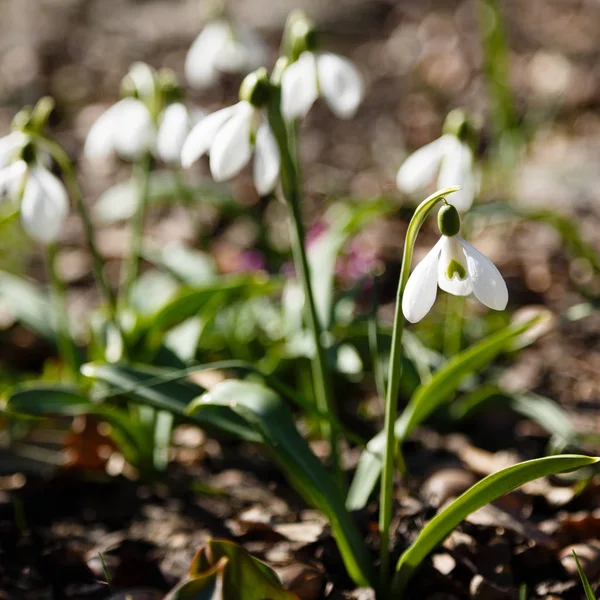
{"x":135,"y":132}
{"x":299,"y":88}
{"x":100,"y":140}
{"x":457,"y":169}
{"x":452,"y":251}
{"x":231,"y":149}
{"x":340,"y":83}
{"x":203,"y":134}
{"x":419,"y":169}
{"x":201,"y":60}
{"x":173,"y":129}
{"x":11,"y":179}
{"x":45,"y":205}
{"x":488,"y":285}
{"x":8,"y":146}
{"x":421,"y":288}
{"x":266,"y":161}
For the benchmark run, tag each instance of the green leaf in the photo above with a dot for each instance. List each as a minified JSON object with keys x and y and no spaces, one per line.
{"x":166,"y":390}
{"x":46,"y":400}
{"x":187,"y":264}
{"x":268,"y":415}
{"x":482,"y":493}
{"x":118,"y":203}
{"x":426,"y":399}
{"x":212,"y":296}
{"x":222,"y":570}
{"x":589,"y":594}
{"x":28,"y":303}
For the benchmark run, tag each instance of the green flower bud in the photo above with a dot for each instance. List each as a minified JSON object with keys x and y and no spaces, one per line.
{"x":448,"y":220}
{"x":256,"y":88}
{"x":280,"y":66}
{"x":22,"y":120}
{"x":41,"y":113}
{"x":300,"y":35}
{"x":457,"y":123}
{"x":169,"y":86}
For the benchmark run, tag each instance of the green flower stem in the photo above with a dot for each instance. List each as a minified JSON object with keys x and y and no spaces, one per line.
{"x":395,"y":371}
{"x":66,"y":345}
{"x":66,"y":167}
{"x":132,"y":263}
{"x":291,"y":191}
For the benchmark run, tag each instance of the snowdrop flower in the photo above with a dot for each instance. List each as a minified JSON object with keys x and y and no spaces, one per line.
{"x":44,"y":201}
{"x":126,"y":129}
{"x":221,"y":48}
{"x":230,"y":136}
{"x":175,"y":123}
{"x":457,"y":268}
{"x":450,"y":157}
{"x":324,"y":74}
{"x":311,"y":74}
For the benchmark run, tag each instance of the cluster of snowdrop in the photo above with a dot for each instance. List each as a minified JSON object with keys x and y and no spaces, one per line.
{"x":150,"y":119}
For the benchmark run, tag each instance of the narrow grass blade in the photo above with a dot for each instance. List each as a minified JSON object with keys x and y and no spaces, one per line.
{"x":589,"y":594}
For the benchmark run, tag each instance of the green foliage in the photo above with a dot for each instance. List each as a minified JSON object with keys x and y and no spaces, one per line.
{"x":482,"y":493}
{"x":427,"y":398}
{"x":222,"y":570}
{"x":589,"y":594}
{"x":266,"y":413}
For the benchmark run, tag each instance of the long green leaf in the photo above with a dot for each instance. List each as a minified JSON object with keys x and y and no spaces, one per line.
{"x":154,"y":386}
{"x":190,"y":301}
{"x":267,"y":413}
{"x":46,"y":400}
{"x":427,"y":398}
{"x":482,"y":493}
{"x":589,"y":593}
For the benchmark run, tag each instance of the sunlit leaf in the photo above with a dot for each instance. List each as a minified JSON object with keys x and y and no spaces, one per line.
{"x":267,"y":414}
{"x":589,"y":594}
{"x":222,"y":570}
{"x":156,"y":387}
{"x":482,"y":493}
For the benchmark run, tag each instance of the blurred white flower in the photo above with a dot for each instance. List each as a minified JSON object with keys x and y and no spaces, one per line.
{"x":9,"y":146}
{"x":175,"y":123}
{"x":126,"y":129}
{"x":458,"y":269}
{"x":452,"y":159}
{"x":324,"y":74}
{"x":44,"y":200}
{"x":230,"y":136}
{"x":221,"y":48}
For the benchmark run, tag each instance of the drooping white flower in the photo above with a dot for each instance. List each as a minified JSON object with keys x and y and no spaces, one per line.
{"x":175,"y":123}
{"x":44,"y":202}
{"x":452,"y":159}
{"x":457,"y":268}
{"x":230,"y":136}
{"x":126,"y":129}
{"x":221,"y":48}
{"x":324,"y":74}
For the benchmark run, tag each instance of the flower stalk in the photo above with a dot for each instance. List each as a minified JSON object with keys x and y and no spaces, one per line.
{"x":132,"y":263}
{"x":395,"y":372}
{"x":66,"y":345}
{"x":291,"y":191}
